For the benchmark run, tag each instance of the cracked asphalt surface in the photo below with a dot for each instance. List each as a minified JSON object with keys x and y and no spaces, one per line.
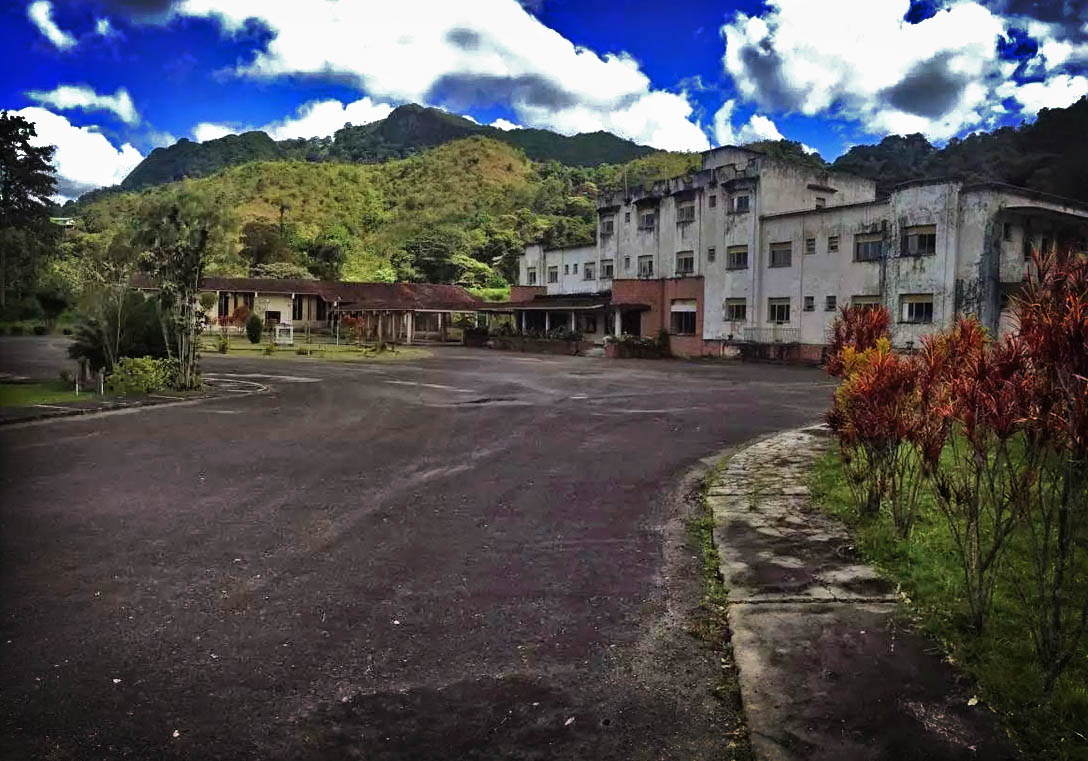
{"x":477,"y":555}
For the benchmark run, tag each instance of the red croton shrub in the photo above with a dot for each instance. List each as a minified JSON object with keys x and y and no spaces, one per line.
{"x":1052,"y":316}
{"x":856,"y":326}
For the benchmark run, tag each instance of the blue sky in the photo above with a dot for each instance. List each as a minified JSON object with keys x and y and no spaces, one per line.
{"x":109,"y":80}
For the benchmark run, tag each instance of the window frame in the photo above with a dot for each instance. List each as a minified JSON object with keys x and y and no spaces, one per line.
{"x":684,"y":256}
{"x":711,"y":253}
{"x":913,"y":238}
{"x":867,"y":240}
{"x":910,"y":303}
{"x":643,"y":216}
{"x":608,"y":269}
{"x":808,"y":304}
{"x":778,"y":249}
{"x":831,"y":303}
{"x":735,"y":207}
{"x":777,"y":304}
{"x":553,"y":273}
{"x":810,"y":246}
{"x":731,"y":305}
{"x":712,"y":201}
{"x":685,"y":214}
{"x":530,"y":276}
{"x":647,"y":271}
{"x":832,"y":244}
{"x":589,"y":271}
{"x":608,"y":226}
{"x":733,"y":251}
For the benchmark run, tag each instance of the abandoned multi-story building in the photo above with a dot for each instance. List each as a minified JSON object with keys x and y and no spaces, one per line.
{"x":758,"y":252}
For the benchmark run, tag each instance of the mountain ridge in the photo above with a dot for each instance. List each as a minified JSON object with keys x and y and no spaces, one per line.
{"x":407,"y":130}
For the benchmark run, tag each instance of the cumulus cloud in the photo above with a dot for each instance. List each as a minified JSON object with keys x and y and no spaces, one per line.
{"x":319,"y":118}
{"x":1057,"y":92}
{"x":461,"y":55}
{"x":104,"y":28}
{"x":84,"y":159}
{"x":67,"y":97}
{"x":40,"y":14}
{"x":206,"y":131}
{"x":758,"y":127}
{"x":505,"y":125}
{"x":939,"y":76}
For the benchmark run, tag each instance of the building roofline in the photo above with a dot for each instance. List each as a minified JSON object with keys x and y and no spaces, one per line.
{"x":825,"y":209}
{"x":1027,"y":192}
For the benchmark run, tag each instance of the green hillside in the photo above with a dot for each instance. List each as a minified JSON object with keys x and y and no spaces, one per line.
{"x":460,"y":212}
{"x":1049,"y":155}
{"x":405,"y":132}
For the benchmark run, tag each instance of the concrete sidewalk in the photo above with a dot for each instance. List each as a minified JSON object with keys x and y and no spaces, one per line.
{"x":828,"y":670}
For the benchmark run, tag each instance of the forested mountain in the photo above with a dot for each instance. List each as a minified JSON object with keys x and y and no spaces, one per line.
{"x":460,"y":212}
{"x":1049,"y":155}
{"x":406,"y":131}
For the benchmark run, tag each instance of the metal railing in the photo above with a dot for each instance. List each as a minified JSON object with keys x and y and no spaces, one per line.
{"x":774,"y":334}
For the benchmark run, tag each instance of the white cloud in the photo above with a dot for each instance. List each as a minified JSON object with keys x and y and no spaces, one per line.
{"x":758,"y":127}
{"x":66,"y":97}
{"x":84,"y":159}
{"x":460,"y":55}
{"x":1057,"y":92}
{"x":505,"y":125}
{"x":322,"y":118}
{"x":318,"y":118}
{"x":859,"y":59}
{"x":104,"y":28}
{"x":40,"y":14}
{"x":206,"y":131}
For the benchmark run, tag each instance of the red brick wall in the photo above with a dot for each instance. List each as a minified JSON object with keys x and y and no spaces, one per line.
{"x":641,"y":292}
{"x":527,"y":292}
{"x":659,"y":294}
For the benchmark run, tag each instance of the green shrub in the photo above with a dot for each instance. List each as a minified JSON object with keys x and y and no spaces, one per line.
{"x":254,"y":329}
{"x":17,"y":330}
{"x":222,"y":345}
{"x":141,"y":375}
{"x":40,"y":330}
{"x":270,"y":348}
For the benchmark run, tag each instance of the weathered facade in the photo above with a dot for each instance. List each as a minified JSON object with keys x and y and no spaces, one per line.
{"x":764,"y":252}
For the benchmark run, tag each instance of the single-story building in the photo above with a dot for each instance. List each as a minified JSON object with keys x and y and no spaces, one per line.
{"x":395,"y":311}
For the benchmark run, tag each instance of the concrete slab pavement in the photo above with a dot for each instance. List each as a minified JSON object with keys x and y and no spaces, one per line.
{"x":827,"y":668}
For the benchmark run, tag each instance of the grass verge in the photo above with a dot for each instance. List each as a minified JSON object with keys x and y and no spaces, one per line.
{"x":27,"y":394}
{"x":241,"y":347}
{"x":1002,"y":660}
{"x":710,"y":622}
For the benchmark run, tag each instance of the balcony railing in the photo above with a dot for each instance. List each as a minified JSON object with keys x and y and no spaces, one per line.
{"x":775,"y":334}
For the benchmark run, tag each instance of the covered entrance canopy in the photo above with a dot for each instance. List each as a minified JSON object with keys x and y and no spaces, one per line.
{"x":545,"y":313}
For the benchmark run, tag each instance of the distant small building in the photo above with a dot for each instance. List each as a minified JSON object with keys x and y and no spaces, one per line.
{"x":398,"y":311}
{"x":65,"y":222}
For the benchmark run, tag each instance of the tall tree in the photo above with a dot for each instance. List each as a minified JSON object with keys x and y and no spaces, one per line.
{"x":27,"y":180}
{"x":176,"y":235}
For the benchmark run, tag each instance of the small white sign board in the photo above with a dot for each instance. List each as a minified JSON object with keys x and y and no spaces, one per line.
{"x":285,"y":334}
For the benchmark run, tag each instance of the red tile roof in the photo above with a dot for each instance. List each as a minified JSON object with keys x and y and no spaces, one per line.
{"x":351,"y":295}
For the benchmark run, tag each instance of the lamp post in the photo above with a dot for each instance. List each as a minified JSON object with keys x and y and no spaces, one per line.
{"x":336,"y":311}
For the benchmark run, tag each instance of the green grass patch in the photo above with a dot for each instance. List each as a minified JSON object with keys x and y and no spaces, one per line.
{"x":27,"y":394}
{"x":710,"y":622}
{"x":1002,"y":660}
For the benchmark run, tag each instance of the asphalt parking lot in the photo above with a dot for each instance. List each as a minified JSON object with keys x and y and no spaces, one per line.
{"x":475,"y":555}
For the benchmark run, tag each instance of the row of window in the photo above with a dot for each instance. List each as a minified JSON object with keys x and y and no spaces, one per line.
{"x":647,"y":220}
{"x":317,"y":310}
{"x":914,"y":308}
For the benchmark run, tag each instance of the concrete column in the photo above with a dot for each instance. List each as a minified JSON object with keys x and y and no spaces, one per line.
{"x":572,"y":322}
{"x":617,"y":318}
{"x":411,"y":325}
{"x":547,"y":321}
{"x":521,"y":319}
